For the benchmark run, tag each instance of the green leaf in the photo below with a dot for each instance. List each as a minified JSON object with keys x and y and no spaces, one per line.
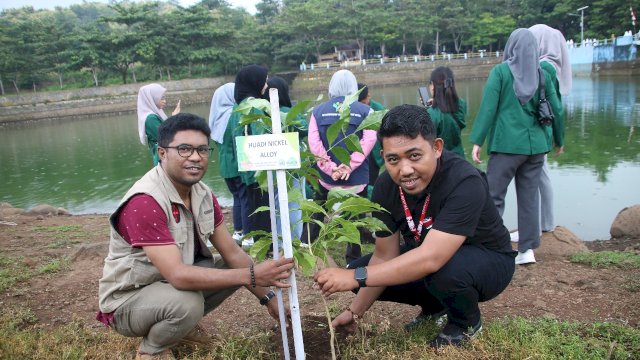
{"x":346,"y":239}
{"x":348,"y":229}
{"x":261,"y":209}
{"x":295,"y":110}
{"x":358,"y":205}
{"x":342,"y":154}
{"x":374,"y":224}
{"x":252,"y":118}
{"x":333,"y":131}
{"x":260,"y":248}
{"x":261,"y":104}
{"x":353,"y":143}
{"x":305,"y":261}
{"x":311,"y":207}
{"x":372,"y":121}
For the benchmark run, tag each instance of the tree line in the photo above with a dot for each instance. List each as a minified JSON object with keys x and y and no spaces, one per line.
{"x":95,"y":44}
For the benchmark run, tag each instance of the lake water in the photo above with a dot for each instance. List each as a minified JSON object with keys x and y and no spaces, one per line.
{"x":86,"y":165}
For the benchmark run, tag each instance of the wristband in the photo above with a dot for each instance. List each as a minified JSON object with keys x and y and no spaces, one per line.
{"x":265,"y":299}
{"x":356,"y":317}
{"x":252,"y":273}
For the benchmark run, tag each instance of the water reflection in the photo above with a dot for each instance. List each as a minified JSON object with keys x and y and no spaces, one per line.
{"x":87,"y":165}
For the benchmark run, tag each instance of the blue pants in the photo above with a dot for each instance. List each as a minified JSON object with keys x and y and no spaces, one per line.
{"x":474,"y":274}
{"x":240,"y":203}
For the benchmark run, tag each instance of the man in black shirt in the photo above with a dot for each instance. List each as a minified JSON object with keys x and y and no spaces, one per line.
{"x":447,"y":248}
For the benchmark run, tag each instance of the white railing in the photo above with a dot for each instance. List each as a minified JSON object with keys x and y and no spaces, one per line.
{"x":398,"y":60}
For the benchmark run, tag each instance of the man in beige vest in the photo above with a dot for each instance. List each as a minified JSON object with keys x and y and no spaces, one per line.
{"x":160,"y":278}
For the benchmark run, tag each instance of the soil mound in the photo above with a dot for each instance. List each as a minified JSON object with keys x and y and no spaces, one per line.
{"x":560,"y":242}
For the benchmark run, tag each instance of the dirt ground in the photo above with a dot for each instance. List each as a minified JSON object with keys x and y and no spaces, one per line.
{"x":552,"y":287}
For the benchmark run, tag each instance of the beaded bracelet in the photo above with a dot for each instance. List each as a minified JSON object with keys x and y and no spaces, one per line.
{"x":253,"y":275}
{"x":356,"y":317}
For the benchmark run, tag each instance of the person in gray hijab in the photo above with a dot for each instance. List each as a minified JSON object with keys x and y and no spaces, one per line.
{"x":554,"y":59}
{"x":333,"y":173}
{"x":516,"y":141}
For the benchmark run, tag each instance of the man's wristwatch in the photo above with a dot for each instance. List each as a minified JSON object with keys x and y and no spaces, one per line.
{"x":361,"y":276}
{"x":265,"y":299}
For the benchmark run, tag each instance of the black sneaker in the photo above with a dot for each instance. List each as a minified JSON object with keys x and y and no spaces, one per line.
{"x":455,"y":335}
{"x":439,"y":318}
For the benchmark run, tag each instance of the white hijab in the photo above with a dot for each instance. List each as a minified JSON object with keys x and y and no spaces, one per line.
{"x":148,"y":98}
{"x":221,"y":105}
{"x":342,"y":83}
{"x":553,"y":49}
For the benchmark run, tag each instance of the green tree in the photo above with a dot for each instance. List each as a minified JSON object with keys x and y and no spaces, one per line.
{"x":490,"y":30}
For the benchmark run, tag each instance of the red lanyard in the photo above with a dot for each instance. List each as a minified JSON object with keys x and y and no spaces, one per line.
{"x":407,"y":213}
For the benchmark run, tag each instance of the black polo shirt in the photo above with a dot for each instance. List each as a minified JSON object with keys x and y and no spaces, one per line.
{"x":460,"y":204}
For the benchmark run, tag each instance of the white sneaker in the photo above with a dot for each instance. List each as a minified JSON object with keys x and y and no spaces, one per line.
{"x":525,"y":257}
{"x":515,"y":236}
{"x":247,"y":243}
{"x":237,"y":236}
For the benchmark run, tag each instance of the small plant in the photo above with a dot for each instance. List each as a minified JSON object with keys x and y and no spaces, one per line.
{"x":12,"y":272}
{"x":344,"y":212}
{"x":55,"y":266}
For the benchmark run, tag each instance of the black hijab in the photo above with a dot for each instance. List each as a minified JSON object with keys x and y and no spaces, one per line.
{"x":250,"y":81}
{"x":279,"y":83}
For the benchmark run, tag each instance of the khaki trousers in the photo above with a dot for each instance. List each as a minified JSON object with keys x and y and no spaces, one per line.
{"x":162,"y":315}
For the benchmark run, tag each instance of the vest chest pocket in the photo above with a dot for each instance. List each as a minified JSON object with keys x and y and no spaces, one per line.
{"x":180,"y":232}
{"x":206,"y":228}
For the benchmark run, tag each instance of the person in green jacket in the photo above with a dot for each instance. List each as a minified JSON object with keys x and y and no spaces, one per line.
{"x":446,"y":109}
{"x":151,"y":102}
{"x":251,"y":82}
{"x":516,"y":141}
{"x":554,"y":59}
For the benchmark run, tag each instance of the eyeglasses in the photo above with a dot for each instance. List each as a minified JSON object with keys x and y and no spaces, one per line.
{"x":186,"y":151}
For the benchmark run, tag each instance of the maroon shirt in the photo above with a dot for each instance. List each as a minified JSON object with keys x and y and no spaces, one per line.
{"x":142,"y":222}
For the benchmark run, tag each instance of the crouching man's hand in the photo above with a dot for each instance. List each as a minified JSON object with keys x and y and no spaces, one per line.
{"x":345,"y":320}
{"x":272,"y":307}
{"x":334,"y":280}
{"x":271,"y":272}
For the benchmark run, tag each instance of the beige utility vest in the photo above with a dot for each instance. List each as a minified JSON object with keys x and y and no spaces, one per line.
{"x":127,"y":269}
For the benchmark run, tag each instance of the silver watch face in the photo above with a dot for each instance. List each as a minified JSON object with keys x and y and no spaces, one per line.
{"x":361,"y":274}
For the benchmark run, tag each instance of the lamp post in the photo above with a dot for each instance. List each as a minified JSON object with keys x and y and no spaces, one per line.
{"x":582,"y":23}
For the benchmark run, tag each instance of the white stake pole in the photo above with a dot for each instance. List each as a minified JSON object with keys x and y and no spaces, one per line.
{"x":276,"y":256}
{"x":283,"y":200}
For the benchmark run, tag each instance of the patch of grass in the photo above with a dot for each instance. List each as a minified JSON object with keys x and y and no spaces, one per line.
{"x":603,"y":259}
{"x":632,"y":282}
{"x":62,"y":243}
{"x":54,"y":266}
{"x":63,"y":234}
{"x":509,"y":338}
{"x":12,"y":271}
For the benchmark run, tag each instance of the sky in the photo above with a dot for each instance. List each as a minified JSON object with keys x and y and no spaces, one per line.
{"x":249,"y":5}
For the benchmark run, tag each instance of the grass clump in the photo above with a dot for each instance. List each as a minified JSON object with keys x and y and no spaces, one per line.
{"x":54,"y":266}
{"x":12,"y":271}
{"x":603,"y":259}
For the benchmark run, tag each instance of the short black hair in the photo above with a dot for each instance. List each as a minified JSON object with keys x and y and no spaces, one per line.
{"x":180,"y":122}
{"x":364,"y":93}
{"x":407,"y":120}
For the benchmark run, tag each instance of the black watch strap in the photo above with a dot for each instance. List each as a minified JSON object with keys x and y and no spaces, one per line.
{"x":265,"y":299}
{"x":361,"y":276}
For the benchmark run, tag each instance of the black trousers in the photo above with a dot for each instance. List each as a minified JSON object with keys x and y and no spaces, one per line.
{"x":474,"y":274}
{"x":353,"y":250}
{"x":257,"y":198}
